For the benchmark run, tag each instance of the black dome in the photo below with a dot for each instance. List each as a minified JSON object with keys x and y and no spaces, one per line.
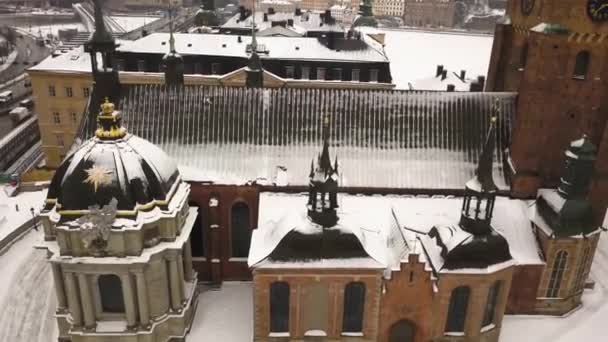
{"x":479,"y":251}
{"x":113,"y":165}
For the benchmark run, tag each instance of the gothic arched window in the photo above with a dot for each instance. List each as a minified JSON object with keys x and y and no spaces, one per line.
{"x":583,"y":270}
{"x":582,"y":65}
{"x":110,"y":291}
{"x":490,"y":310}
{"x":457,"y":311}
{"x":279,"y":307}
{"x":197,"y":236}
{"x":354,"y":305}
{"x":240,"y":230}
{"x":557,"y":273}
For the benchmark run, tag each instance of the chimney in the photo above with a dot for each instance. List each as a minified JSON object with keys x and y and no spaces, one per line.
{"x":298,"y":12}
{"x":265,"y":17}
{"x":242,"y":13}
{"x":463,"y":74}
{"x":444,"y":74}
{"x":482,"y":82}
{"x":270,"y":10}
{"x":239,"y":39}
{"x":289,"y":22}
{"x":451,"y":87}
{"x":327,"y":17}
{"x":439,"y":70}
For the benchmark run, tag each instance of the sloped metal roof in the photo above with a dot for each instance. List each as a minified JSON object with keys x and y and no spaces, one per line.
{"x":383,"y":139}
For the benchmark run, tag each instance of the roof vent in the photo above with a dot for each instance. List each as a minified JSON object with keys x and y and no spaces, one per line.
{"x":239,"y":39}
{"x":189,"y":44}
{"x":163,"y":43}
{"x":223,"y":45}
{"x":297,"y":48}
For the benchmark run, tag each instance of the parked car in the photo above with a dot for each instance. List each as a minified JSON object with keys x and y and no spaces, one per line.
{"x":19,"y":114}
{"x":6,"y":97}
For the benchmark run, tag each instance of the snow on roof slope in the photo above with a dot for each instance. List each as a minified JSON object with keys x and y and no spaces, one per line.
{"x":283,"y":48}
{"x":308,"y":21}
{"x":368,"y":218}
{"x":438,"y":84}
{"x":371,"y":219}
{"x":413,"y":139}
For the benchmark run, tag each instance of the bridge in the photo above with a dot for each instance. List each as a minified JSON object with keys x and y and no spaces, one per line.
{"x":86,"y":13}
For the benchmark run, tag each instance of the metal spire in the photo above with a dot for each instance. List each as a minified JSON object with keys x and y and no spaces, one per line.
{"x":324,"y":160}
{"x":101,"y":34}
{"x":254,"y":42}
{"x":171,"y":38}
{"x":486,"y":160}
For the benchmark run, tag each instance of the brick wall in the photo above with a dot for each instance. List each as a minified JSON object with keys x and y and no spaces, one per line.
{"x":300,"y":281}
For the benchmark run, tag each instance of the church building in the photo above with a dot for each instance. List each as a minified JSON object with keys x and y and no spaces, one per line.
{"x":403,"y":227}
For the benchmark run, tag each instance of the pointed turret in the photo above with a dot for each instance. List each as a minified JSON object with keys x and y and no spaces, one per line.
{"x":101,"y":47}
{"x":173,"y":63}
{"x":571,"y":213}
{"x":480,"y":191}
{"x":323,"y":186}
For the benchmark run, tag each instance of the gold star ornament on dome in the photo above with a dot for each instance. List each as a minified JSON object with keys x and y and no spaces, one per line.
{"x":98,"y":176}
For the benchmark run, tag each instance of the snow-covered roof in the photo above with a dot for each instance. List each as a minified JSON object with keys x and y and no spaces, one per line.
{"x":384,"y":139}
{"x":308,"y":21}
{"x":391,"y":227}
{"x":75,"y":60}
{"x":282,"y":48}
{"x":438,"y":83}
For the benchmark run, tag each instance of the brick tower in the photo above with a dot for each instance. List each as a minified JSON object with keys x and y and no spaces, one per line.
{"x":553,"y":53}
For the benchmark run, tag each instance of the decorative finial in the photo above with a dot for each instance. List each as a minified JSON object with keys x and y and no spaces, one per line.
{"x":109,"y":122}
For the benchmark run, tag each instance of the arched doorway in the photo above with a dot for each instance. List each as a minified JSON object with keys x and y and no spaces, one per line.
{"x":402,"y":331}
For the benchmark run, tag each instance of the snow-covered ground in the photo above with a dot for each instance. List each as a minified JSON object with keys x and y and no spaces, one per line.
{"x":224,"y":315}
{"x":15,"y":211}
{"x":414,"y":55}
{"x":27,"y":297}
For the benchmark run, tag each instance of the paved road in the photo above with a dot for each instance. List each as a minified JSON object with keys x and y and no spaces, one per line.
{"x":29,"y":53}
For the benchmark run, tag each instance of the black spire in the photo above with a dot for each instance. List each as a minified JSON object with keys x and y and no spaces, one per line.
{"x":255,"y":72}
{"x":101,"y":47}
{"x":173,"y":63}
{"x":323,"y":186}
{"x":480,"y":191}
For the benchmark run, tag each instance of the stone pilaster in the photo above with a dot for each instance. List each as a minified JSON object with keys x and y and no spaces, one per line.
{"x":174,"y":283}
{"x":188,"y":261}
{"x":87,"y":302}
{"x":127,"y":293}
{"x":142,"y":296}
{"x":62,"y":303}
{"x":180,"y":272}
{"x":73,"y":300}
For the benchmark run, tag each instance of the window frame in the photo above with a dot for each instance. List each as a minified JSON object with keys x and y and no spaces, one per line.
{"x":354,"y":300}
{"x":279,"y":307}
{"x":86,"y":92}
{"x":353,"y":73}
{"x":101,"y":296}
{"x":52,"y":91}
{"x":373,"y":75}
{"x":235,"y":237}
{"x":56,"y":118}
{"x":290,"y":71}
{"x":489,"y":315}
{"x":216,"y":68}
{"x":556,"y":274}
{"x":456,"y":318}
{"x":581,"y":65}
{"x":69,"y":92}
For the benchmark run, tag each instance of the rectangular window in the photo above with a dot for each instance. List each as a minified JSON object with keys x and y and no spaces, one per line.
{"x":337,"y":74}
{"x":69,"y":92}
{"x":215,"y":68}
{"x":56,"y":118}
{"x":60,"y":140}
{"x":141,"y":65}
{"x":52,"y":92}
{"x":198,"y":68}
{"x":320,"y":73}
{"x":289,"y":71}
{"x":373,"y":75}
{"x":86,"y":92}
{"x":355,"y":75}
{"x":74,"y":117}
{"x":305,"y":73}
